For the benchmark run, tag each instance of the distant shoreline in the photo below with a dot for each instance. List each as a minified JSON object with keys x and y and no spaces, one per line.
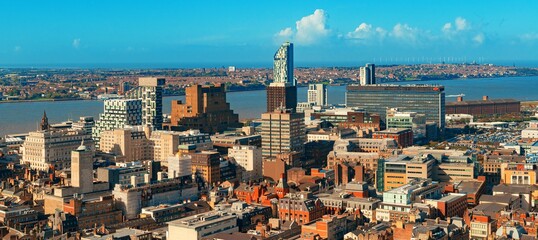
{"x":256,"y":89}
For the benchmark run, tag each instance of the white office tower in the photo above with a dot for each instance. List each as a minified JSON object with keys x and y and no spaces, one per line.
{"x":82,"y":168}
{"x":283,"y":65}
{"x":317,"y":94}
{"x":250,"y":159}
{"x":179,"y":166}
{"x":367,"y":74}
{"x":118,"y":113}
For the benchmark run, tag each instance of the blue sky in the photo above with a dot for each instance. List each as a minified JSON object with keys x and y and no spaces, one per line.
{"x":205,"y":33}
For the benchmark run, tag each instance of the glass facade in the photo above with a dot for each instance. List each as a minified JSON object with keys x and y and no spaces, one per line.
{"x":423,"y":99}
{"x":283,"y":64}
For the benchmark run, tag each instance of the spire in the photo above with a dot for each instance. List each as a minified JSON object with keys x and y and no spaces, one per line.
{"x":45,"y":122}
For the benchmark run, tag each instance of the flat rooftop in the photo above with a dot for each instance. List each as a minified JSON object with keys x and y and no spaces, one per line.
{"x":200,"y":220}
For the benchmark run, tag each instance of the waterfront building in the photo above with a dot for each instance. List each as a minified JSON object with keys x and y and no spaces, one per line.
{"x":367,"y":74}
{"x":282,"y":92}
{"x":117,"y":113}
{"x":283,"y":64}
{"x":485,"y":106}
{"x":205,"y":108}
{"x":282,"y":131}
{"x":317,"y":94}
{"x":150,"y":92}
{"x":377,"y":98}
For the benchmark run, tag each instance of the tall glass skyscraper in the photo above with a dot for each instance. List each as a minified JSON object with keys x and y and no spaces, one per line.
{"x":282,"y":92}
{"x":420,"y":98}
{"x":283,"y":65}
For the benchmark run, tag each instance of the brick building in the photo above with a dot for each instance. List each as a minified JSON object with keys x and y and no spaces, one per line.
{"x":403,"y":136}
{"x":300,"y":207}
{"x":485,"y":106}
{"x":101,"y":211}
{"x":206,"y":165}
{"x":205,"y":108}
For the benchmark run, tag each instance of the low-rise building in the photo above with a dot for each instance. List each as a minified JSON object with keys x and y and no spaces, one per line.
{"x":165,"y":212}
{"x":300,"y":207}
{"x":330,"y":227}
{"x":202,"y":225}
{"x":402,"y":136}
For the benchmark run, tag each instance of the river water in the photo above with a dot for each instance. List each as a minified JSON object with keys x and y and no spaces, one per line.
{"x":25,"y":116}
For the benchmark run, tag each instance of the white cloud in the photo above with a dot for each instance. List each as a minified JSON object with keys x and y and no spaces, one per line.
{"x":381,"y":32}
{"x":447,"y":28}
{"x":529,"y":37}
{"x":285,"y":33}
{"x":308,"y":30}
{"x":461,"y":24}
{"x":365,"y":33}
{"x":405,"y":33}
{"x":312,"y":27}
{"x":76,"y":42}
{"x":479,"y":38}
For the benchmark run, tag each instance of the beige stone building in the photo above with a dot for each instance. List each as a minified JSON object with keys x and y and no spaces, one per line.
{"x":250,"y":158}
{"x":53,"y":147}
{"x":129,"y":144}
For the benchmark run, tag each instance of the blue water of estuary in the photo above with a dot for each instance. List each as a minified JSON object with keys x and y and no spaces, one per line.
{"x":24,"y":117}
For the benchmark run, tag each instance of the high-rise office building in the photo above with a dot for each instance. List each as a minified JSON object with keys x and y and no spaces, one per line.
{"x":422,"y":99}
{"x":282,"y":92}
{"x":117,"y":113}
{"x":317,"y":94}
{"x":150,"y":91}
{"x":281,"y":95}
{"x":282,"y":131}
{"x":367,"y":74}
{"x":283,"y":65}
{"x":205,"y":108}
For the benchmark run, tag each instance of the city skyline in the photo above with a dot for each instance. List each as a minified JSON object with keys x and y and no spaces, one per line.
{"x":192,"y":34}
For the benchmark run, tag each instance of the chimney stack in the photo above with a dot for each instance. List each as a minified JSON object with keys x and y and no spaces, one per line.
{"x":460,"y":99}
